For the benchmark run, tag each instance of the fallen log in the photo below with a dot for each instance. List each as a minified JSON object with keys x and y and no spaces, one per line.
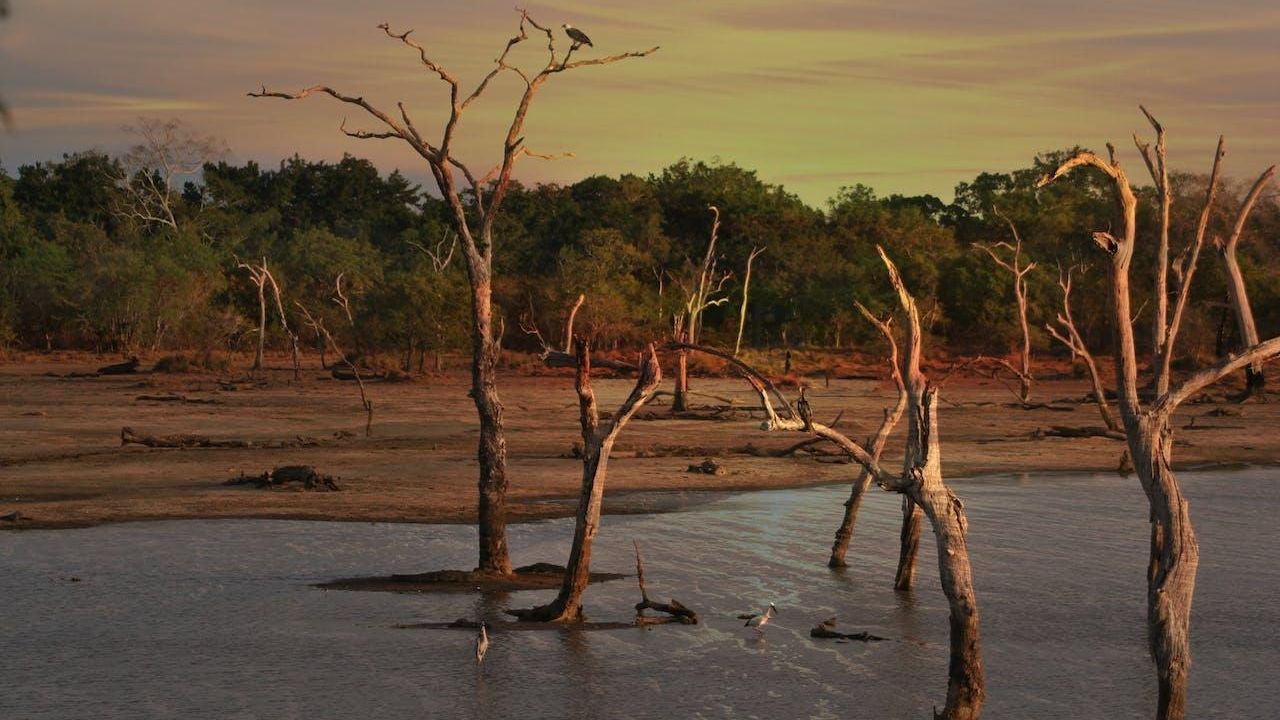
{"x":129,"y":437}
{"x":825,"y":630}
{"x":560,"y":359}
{"x":127,"y":367}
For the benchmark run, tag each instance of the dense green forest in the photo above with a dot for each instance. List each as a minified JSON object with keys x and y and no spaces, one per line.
{"x":82,"y":269}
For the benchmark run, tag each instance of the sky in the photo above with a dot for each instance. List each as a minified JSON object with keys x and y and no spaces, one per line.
{"x":906,"y":96}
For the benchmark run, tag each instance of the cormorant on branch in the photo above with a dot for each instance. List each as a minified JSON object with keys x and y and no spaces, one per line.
{"x":577,"y":36}
{"x":805,"y":412}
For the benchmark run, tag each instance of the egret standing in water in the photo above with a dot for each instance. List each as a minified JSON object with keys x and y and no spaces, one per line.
{"x":757,"y":622}
{"x":482,"y":644}
{"x":577,"y":36}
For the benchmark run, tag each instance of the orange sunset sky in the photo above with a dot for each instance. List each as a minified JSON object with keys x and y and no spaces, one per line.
{"x":904,"y":96}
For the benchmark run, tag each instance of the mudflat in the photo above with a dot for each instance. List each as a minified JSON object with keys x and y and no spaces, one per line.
{"x":62,"y":463}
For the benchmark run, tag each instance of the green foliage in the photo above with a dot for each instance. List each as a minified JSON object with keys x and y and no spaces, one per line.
{"x":77,"y":274}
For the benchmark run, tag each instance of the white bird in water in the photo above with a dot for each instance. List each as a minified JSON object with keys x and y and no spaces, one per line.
{"x":482,"y":644}
{"x":757,"y":622}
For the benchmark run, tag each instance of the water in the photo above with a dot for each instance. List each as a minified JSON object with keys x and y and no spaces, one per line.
{"x":216,"y":619}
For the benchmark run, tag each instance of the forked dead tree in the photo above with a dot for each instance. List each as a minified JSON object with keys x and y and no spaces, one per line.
{"x":597,"y":443}
{"x":1174,"y":550}
{"x":473,"y":215}
{"x":875,"y":444}
{"x":1255,"y":382}
{"x":1067,"y":334}
{"x":706,"y":291}
{"x":261,"y":276}
{"x":1014,"y":264}
{"x":921,"y":481}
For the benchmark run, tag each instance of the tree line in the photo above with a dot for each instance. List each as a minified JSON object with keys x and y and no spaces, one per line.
{"x":85,"y":268}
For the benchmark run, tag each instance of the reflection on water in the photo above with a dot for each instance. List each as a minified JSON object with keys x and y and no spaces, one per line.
{"x":216,"y":619}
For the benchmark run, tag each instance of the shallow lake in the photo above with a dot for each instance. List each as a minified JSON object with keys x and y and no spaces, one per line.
{"x":217,"y":619}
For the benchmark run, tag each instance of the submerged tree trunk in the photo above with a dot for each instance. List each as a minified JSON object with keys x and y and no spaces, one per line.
{"x":908,"y":545}
{"x":597,"y":444}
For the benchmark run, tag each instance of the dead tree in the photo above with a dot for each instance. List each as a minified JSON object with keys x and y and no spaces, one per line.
{"x":318,"y":327}
{"x":844,"y":534}
{"x":1255,"y":381}
{"x":261,"y":277}
{"x":597,"y":442}
{"x":167,"y":150}
{"x":706,"y":291}
{"x":1174,"y":550}
{"x":921,"y":481}
{"x":746,"y":291}
{"x":554,"y":357}
{"x":1014,"y":265}
{"x":1068,"y":335}
{"x":473,"y":215}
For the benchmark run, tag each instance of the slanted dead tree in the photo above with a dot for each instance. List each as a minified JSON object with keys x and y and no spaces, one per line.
{"x":473,"y":214}
{"x":875,"y":444}
{"x":921,"y":481}
{"x":261,"y":276}
{"x":1255,"y":382}
{"x":317,"y":326}
{"x":706,"y":291}
{"x":597,"y":443}
{"x":1066,"y":333}
{"x":1174,"y":550}
{"x":1014,"y":264}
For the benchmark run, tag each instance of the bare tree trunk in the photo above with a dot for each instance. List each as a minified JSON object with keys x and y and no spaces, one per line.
{"x":680,"y":401}
{"x":597,"y":444}
{"x":746,"y":293}
{"x":495,"y":556}
{"x":1075,"y":342}
{"x":908,"y":545}
{"x":262,"y":323}
{"x":1255,"y":381}
{"x":1019,"y":271}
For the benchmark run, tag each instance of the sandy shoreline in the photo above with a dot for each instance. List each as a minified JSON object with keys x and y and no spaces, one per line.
{"x":62,"y":465}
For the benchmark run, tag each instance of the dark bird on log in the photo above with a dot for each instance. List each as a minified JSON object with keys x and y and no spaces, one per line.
{"x":482,"y":644}
{"x":805,"y":412}
{"x":757,"y":622}
{"x":577,"y":36}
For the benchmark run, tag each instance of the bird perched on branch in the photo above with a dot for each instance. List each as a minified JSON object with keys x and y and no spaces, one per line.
{"x":757,"y":622}
{"x":577,"y":36}
{"x":482,"y":644}
{"x":805,"y":412}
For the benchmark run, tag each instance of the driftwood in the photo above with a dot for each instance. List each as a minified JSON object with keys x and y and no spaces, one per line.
{"x":304,"y":475}
{"x":127,"y":367}
{"x":1088,"y":431}
{"x":707,"y":467}
{"x":177,"y":397}
{"x":128,"y":436}
{"x":676,"y":612}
